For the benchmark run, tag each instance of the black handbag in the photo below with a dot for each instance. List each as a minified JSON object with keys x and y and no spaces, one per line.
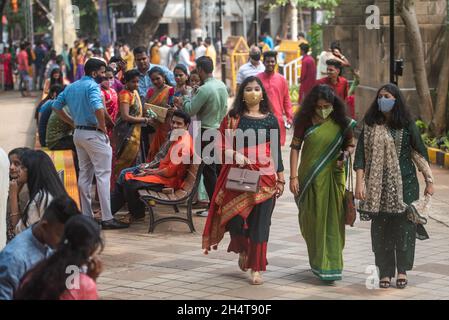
{"x":121,"y":135}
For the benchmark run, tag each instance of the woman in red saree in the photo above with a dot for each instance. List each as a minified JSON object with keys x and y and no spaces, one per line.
{"x":6,"y":60}
{"x":246,"y":215}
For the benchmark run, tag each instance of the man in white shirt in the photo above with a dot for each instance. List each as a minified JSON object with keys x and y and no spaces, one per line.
{"x":164,"y":52}
{"x":184,"y":55}
{"x":200,"y":51}
{"x":252,"y":68}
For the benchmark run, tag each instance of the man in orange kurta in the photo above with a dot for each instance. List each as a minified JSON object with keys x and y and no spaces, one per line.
{"x":168,"y":170}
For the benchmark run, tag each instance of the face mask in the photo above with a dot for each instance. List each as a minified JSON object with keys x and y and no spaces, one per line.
{"x":255,"y":56}
{"x":386,"y":105}
{"x":324,"y":113}
{"x":252,"y":97}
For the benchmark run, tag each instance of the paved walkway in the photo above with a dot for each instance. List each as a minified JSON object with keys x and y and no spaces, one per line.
{"x":169,"y":263}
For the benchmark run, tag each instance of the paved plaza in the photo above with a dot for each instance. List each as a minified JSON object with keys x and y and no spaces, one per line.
{"x":169,"y":264}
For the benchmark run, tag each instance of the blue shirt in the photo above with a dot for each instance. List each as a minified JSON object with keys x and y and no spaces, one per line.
{"x":83,"y":98}
{"x":145,"y":81}
{"x":269,"y":41}
{"x":17,"y":258}
{"x":45,"y":113}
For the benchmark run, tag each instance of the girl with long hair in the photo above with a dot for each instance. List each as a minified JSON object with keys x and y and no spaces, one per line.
{"x":56,"y":77}
{"x":79,"y":247}
{"x":18,"y":195}
{"x":325,"y":134}
{"x":39,"y":173}
{"x":247,"y":215}
{"x":389,"y":147}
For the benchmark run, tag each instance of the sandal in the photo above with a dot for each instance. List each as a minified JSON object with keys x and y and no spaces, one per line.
{"x":401,"y":283}
{"x":385,"y":284}
{"x":242,"y":262}
{"x":256,"y":278}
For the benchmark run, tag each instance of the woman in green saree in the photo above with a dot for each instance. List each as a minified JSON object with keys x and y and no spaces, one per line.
{"x":325,"y":134}
{"x":388,"y":149}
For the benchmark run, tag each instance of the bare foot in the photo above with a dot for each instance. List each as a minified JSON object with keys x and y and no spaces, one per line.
{"x":242,"y":262}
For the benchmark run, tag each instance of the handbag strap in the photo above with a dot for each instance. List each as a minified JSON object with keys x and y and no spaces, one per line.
{"x":350,"y":176}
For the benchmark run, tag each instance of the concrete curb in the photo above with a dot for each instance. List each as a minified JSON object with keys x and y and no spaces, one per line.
{"x":438,"y":157}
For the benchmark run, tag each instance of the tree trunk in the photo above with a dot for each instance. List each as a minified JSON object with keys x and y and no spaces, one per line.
{"x":147,"y":23}
{"x":406,"y":10}
{"x":2,"y":8}
{"x":301,"y":19}
{"x":438,"y":125}
{"x":294,"y":35}
{"x":195,"y":19}
{"x":286,"y":20}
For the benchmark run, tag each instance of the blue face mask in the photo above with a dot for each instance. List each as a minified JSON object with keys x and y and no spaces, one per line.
{"x":386,"y":105}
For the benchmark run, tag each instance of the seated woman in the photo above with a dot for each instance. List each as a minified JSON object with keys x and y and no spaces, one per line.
{"x":38,"y":171}
{"x":59,"y":136}
{"x":163,"y":172}
{"x":79,"y":246}
{"x":161,"y":95}
{"x":56,"y":77}
{"x":44,"y":110}
{"x":18,"y":195}
{"x":127,"y":133}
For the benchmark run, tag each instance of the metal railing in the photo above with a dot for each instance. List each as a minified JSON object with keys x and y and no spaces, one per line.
{"x":292,"y":72}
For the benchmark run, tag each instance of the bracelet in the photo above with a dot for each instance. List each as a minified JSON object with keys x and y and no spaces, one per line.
{"x":14,"y":214}
{"x":280,"y":181}
{"x":293,"y":178}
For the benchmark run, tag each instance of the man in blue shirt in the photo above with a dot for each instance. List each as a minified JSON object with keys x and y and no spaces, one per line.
{"x":268,"y":40}
{"x":34,"y":245}
{"x":91,"y":140}
{"x":144,"y":66}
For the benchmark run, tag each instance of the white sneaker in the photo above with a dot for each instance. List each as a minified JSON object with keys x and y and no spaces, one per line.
{"x":202,"y":213}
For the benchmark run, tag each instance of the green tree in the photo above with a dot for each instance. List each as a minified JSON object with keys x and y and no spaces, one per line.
{"x":293,"y":5}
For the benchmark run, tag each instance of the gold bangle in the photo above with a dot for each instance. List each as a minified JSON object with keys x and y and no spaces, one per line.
{"x":14,"y":214}
{"x":293,"y":178}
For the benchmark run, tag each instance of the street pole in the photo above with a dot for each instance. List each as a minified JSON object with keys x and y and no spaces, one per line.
{"x":222,"y":56}
{"x":392,"y":80}
{"x":185,"y":19}
{"x":256,"y":21}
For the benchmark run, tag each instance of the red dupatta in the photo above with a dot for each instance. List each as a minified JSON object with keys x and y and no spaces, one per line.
{"x":227,"y":204}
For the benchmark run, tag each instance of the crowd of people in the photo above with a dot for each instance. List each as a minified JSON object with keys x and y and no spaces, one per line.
{"x":108,"y":117}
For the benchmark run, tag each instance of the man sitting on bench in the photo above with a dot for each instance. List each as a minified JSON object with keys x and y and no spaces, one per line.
{"x":167,"y":170}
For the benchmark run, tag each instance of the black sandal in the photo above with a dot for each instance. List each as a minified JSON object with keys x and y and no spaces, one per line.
{"x":401,"y":283}
{"x":385,"y":284}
